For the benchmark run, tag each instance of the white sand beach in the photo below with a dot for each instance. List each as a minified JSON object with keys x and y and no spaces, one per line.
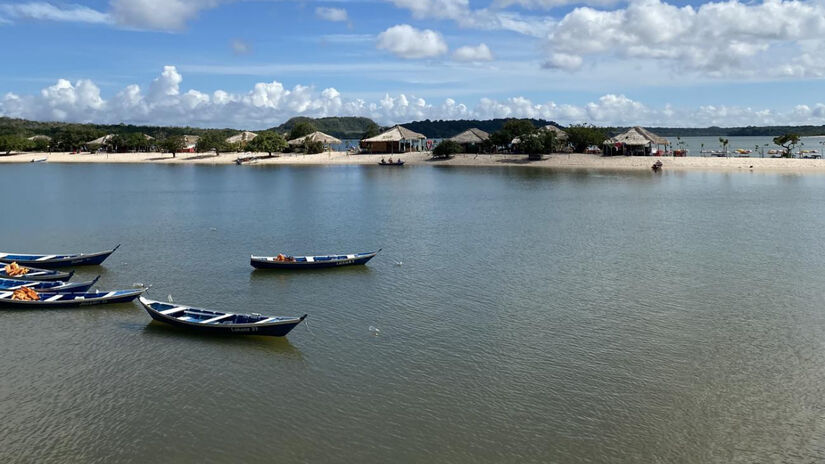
{"x":555,"y":161}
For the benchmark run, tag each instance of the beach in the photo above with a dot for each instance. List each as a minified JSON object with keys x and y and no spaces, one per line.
{"x":554,"y":161}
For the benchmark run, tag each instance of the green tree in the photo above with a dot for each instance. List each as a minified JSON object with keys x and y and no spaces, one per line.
{"x":173,"y":144}
{"x":724,"y":143}
{"x":268,"y":142}
{"x":314,"y":146}
{"x":372,"y":130}
{"x":582,"y":136}
{"x":211,"y":141}
{"x":40,"y":144}
{"x":446,"y":149}
{"x":10,"y":143}
{"x":301,"y":129}
{"x":788,"y":142}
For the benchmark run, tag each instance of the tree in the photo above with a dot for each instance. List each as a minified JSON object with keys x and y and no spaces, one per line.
{"x":372,"y":131}
{"x":10,"y":143}
{"x":40,"y":144}
{"x":301,"y":129}
{"x":211,"y":141}
{"x":267,"y":141}
{"x":446,"y":149}
{"x":173,"y":144}
{"x":312,"y":147}
{"x":582,"y":136}
{"x":788,"y":142}
{"x":724,"y":143}
{"x":511,"y":129}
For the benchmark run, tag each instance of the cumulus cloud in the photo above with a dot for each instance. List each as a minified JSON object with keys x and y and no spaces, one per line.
{"x":44,"y":11}
{"x":716,"y":39}
{"x":485,"y":18}
{"x":478,"y":53}
{"x":164,"y":15}
{"x":549,"y":4}
{"x":331,"y":14}
{"x":406,"y":41}
{"x":266,"y":104}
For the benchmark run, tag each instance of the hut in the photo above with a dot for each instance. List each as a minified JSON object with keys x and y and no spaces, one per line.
{"x":636,"y":141}
{"x":471,"y":139}
{"x":559,"y":134}
{"x":35,"y":138}
{"x":316,"y":136}
{"x":397,"y":139}
{"x":190,"y":143}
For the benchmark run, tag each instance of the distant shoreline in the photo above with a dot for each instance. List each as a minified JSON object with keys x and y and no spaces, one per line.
{"x":554,"y":161}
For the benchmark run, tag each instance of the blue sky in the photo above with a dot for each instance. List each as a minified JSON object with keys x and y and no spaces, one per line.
{"x":251,"y":64}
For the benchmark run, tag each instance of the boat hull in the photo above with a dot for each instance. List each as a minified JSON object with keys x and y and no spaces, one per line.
{"x":266,"y":262}
{"x":275,"y":329}
{"x":69,"y":300}
{"x":38,"y":274}
{"x":53,"y":261}
{"x":54,"y":286}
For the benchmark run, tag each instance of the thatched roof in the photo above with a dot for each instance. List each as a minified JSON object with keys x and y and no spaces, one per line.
{"x":191,"y":140}
{"x":396,"y":134}
{"x":557,"y":132}
{"x":637,"y":136}
{"x":244,"y":136}
{"x":316,"y":136}
{"x":471,"y":136}
{"x":40,"y":137}
{"x":102,"y":140}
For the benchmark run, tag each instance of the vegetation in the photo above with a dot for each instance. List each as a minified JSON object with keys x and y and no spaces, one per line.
{"x":446,"y":149}
{"x":10,"y":143}
{"x":788,"y":142}
{"x":301,"y":129}
{"x":211,"y":141}
{"x":173,"y":144}
{"x":267,"y":142}
{"x":724,"y":142}
{"x":443,"y":129}
{"x":372,"y":130}
{"x":313,"y":147}
{"x":582,"y":136}
{"x":341,"y":127}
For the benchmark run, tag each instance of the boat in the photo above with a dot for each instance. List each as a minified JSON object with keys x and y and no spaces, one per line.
{"x":656,"y":166}
{"x":69,"y":300}
{"x":219,"y":323}
{"x":49,"y":261}
{"x":54,"y":286}
{"x":394,"y":163}
{"x":40,"y":160}
{"x":33,"y":273}
{"x":310,"y":262}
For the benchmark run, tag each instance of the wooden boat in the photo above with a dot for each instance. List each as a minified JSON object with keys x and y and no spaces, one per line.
{"x":394,"y":163}
{"x":37,"y":274}
{"x":55,"y":286}
{"x":657,"y":166}
{"x":310,"y":262}
{"x":49,"y":261}
{"x":68,"y":300}
{"x":219,"y":323}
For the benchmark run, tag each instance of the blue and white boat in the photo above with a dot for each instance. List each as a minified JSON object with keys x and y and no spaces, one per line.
{"x":219,"y":323}
{"x":68,"y":300}
{"x":310,"y":262}
{"x":37,"y":274}
{"x":55,"y":286}
{"x":50,"y":261}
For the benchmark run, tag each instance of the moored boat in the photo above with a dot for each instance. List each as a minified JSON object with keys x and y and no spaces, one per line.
{"x":32,"y":273}
{"x":219,"y":323}
{"x":68,"y":300}
{"x":49,"y":261}
{"x":310,"y":262}
{"x":54,"y":286}
{"x":395,"y":163}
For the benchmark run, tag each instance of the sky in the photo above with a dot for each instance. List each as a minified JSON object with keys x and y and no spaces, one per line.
{"x":252,"y":64}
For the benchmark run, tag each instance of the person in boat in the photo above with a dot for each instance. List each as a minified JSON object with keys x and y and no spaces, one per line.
{"x":390,"y":161}
{"x":382,"y":161}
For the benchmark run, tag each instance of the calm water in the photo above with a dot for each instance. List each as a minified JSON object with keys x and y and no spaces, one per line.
{"x":695,"y":145}
{"x":537,"y":317}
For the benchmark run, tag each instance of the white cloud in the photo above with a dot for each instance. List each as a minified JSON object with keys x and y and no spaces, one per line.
{"x":164,"y":15}
{"x":775,"y":38}
{"x":549,"y":4}
{"x":44,"y":11}
{"x":270,"y":103}
{"x":406,"y":41}
{"x":485,"y":19}
{"x":478,"y":53}
{"x":331,"y":14}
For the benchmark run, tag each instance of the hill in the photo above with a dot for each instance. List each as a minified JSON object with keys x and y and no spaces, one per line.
{"x":341,"y":127}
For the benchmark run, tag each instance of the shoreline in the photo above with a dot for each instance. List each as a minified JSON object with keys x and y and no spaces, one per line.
{"x":576,"y":161}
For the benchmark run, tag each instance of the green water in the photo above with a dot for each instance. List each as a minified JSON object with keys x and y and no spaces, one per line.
{"x":538,"y":316}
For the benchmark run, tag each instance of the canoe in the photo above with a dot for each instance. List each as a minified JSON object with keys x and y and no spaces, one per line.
{"x":219,"y":323}
{"x":55,"y":286}
{"x":311,"y":262}
{"x":49,"y":261}
{"x":37,"y":274}
{"x":68,"y":300}
{"x":397,"y":163}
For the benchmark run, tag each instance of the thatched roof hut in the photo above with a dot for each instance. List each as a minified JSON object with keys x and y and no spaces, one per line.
{"x":101,"y":140}
{"x":470,"y":136}
{"x":241,"y":138}
{"x":635,"y":141}
{"x":397,"y":139}
{"x":40,"y":137}
{"x":316,"y":136}
{"x":559,"y":133}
